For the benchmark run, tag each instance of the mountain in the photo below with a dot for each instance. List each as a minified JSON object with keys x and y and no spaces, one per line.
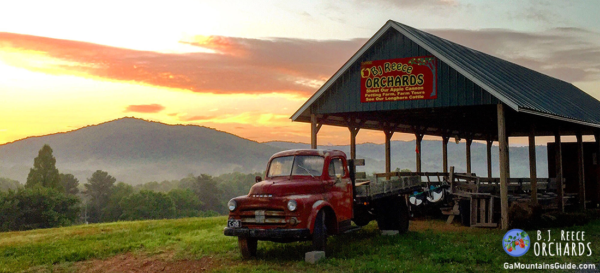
{"x":403,"y":156}
{"x":137,"y":151}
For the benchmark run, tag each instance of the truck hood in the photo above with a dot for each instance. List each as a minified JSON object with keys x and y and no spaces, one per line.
{"x":284,"y":186}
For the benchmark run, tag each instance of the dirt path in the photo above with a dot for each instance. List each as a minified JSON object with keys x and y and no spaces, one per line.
{"x":130,"y":263}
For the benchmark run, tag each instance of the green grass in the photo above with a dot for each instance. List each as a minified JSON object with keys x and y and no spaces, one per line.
{"x":429,"y":246}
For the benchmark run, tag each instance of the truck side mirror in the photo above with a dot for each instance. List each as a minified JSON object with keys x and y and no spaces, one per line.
{"x":258,"y":179}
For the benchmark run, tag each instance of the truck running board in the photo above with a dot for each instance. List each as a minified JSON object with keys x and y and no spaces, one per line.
{"x":352,"y":229}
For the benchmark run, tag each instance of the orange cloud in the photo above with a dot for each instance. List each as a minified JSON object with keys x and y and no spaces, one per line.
{"x":145,"y":108}
{"x":196,"y":118}
{"x":249,"y":66}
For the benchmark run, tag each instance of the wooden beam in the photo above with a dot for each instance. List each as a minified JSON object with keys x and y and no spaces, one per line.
{"x":559,"y":174}
{"x":489,"y":143}
{"x":468,"y":153}
{"x":533,"y":166}
{"x":388,"y":158}
{"x":315,"y":126}
{"x":354,"y":127}
{"x":504,"y":174}
{"x":419,"y":138}
{"x":445,"y":140}
{"x":581,"y":169}
{"x":597,"y":152}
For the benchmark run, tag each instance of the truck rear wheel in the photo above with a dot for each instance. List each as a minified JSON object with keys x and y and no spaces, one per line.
{"x":320,"y":232}
{"x":361,"y":216}
{"x":248,"y":247}
{"x":393,"y":214}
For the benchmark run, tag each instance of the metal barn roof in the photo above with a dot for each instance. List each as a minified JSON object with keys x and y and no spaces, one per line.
{"x":522,"y":89}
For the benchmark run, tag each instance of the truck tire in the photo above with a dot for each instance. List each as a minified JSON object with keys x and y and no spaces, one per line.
{"x":320,"y":232}
{"x":247,"y":247}
{"x":393,"y":214}
{"x":362,"y":217}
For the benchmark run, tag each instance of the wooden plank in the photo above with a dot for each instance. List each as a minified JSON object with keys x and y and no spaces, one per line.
{"x":489,"y":143}
{"x":581,"y":175}
{"x":359,"y":162}
{"x":445,"y":152}
{"x":532,"y":167}
{"x":468,"y":154}
{"x":451,"y":179}
{"x":474,"y":205}
{"x":388,"y":160}
{"x":360,"y":175}
{"x":486,"y":225}
{"x":491,"y":211}
{"x":482,"y":213}
{"x":504,"y":173}
{"x":313,"y":131}
{"x":419,"y":138}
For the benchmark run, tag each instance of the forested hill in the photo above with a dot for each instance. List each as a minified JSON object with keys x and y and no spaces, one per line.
{"x":403,"y":156}
{"x":138,"y":151}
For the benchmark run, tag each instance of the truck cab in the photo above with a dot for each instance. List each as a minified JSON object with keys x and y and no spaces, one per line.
{"x":309,"y":195}
{"x":302,"y":189}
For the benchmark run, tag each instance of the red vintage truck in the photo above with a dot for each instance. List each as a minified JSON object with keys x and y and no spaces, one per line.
{"x":312,"y":194}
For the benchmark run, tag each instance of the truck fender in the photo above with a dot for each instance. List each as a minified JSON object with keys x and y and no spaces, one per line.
{"x":316,"y":207}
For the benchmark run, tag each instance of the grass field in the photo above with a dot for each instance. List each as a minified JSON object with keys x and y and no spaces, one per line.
{"x":198,"y":244}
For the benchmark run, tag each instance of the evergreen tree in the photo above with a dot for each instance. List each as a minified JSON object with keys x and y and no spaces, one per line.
{"x":44,"y":172}
{"x":98,"y":189}
{"x":69,"y":183}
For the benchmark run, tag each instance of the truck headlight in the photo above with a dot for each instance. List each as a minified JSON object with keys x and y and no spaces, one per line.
{"x":292,"y":205}
{"x":232,"y":205}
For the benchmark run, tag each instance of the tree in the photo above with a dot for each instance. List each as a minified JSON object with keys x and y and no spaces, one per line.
{"x":113,"y":210}
{"x":430,"y":63}
{"x":186,"y":203}
{"x":8,"y":184}
{"x":37,"y":207}
{"x":205,"y":187}
{"x":69,"y":183}
{"x":147,"y":205}
{"x":98,"y":189}
{"x":44,"y":172}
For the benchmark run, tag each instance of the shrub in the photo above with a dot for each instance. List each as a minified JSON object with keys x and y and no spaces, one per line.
{"x":37,"y":207}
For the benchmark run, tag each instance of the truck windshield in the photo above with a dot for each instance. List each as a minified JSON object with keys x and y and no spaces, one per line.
{"x":296,"y":165}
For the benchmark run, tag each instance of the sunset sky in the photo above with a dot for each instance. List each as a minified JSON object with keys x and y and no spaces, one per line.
{"x":245,"y":67}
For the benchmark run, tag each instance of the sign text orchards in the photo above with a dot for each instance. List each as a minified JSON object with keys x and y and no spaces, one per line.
{"x":399,"y":79}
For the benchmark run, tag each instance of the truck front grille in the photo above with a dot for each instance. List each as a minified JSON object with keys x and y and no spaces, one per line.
{"x":263,"y":217}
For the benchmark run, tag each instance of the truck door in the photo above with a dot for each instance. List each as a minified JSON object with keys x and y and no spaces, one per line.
{"x":340,"y":187}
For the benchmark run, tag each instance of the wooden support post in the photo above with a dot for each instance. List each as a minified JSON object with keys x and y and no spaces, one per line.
{"x":445,"y":140}
{"x":559,"y":174}
{"x":468,"y":152}
{"x":597,"y":152}
{"x":388,"y":158}
{"x":354,"y":128}
{"x":419,"y":138}
{"x":533,"y":166}
{"x":315,"y":126}
{"x":504,"y":175}
{"x":489,"y":143}
{"x":581,"y":170}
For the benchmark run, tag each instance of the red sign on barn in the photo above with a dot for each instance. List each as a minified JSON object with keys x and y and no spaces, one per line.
{"x":399,"y":79}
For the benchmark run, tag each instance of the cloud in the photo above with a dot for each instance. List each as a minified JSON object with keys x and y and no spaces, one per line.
{"x":569,"y":54}
{"x":196,"y":118}
{"x":239,"y":65}
{"x":145,"y":108}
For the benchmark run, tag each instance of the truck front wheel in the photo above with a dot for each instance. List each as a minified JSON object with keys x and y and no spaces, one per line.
{"x":320,"y":232}
{"x":247,"y":247}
